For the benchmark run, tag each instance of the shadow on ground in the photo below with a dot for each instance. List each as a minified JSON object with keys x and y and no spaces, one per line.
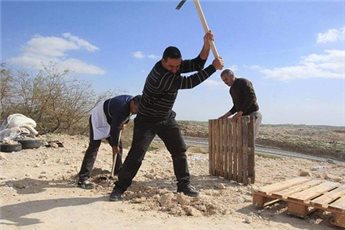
{"x":15,"y":214}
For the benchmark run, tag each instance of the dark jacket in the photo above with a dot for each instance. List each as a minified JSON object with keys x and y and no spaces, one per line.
{"x":161,"y":87}
{"x":116,"y":110}
{"x":243,"y":97}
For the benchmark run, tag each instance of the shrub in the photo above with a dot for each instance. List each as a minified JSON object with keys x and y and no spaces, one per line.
{"x":57,"y":101}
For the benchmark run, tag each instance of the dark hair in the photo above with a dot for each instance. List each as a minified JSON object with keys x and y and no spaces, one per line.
{"x":227,"y":72}
{"x":137,"y":100}
{"x":172,"y":52}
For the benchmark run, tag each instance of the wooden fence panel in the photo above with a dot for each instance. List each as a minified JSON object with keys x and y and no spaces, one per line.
{"x":232,"y":149}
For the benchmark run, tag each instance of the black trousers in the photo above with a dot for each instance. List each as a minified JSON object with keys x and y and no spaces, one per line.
{"x":91,"y":154}
{"x":144,"y":132}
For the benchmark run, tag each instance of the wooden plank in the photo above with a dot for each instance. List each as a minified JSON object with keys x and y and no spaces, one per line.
{"x":338,"y":205}
{"x":338,"y":220}
{"x":235,"y":155}
{"x":306,"y":195}
{"x":268,"y":189}
{"x":251,"y":150}
{"x":299,"y":209}
{"x":326,"y":199}
{"x":226,"y":142}
{"x":220,"y":160}
{"x":239,"y":150}
{"x":261,"y":201}
{"x":224,"y":147}
{"x":245,"y":121}
{"x":286,"y":193}
{"x":231,"y":149}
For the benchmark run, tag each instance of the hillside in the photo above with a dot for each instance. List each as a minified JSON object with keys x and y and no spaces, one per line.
{"x":314,"y":140}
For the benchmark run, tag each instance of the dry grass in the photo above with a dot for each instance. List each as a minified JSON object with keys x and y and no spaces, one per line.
{"x":314,"y":140}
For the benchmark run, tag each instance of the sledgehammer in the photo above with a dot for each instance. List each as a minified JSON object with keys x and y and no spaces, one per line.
{"x":203,"y":22}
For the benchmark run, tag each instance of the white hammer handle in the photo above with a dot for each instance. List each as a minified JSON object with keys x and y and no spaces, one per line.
{"x":204,"y":24}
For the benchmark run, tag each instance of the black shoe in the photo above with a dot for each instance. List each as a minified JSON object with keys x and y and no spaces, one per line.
{"x":188,"y":190}
{"x":116,"y":195}
{"x":85,"y":184}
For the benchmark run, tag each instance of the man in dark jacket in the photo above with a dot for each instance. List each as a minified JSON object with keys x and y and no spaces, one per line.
{"x":106,"y":121}
{"x":243,"y":98}
{"x":155,"y":115}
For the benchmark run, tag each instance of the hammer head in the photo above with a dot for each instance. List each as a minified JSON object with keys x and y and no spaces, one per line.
{"x":180,"y":4}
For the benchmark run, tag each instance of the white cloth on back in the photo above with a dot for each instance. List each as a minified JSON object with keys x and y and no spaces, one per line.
{"x":100,"y":126}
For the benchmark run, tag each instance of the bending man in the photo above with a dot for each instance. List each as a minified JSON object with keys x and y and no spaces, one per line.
{"x":106,"y":121}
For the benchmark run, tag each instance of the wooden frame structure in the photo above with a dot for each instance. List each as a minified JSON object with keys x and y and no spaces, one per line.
{"x":304,"y":195}
{"x":231,"y":149}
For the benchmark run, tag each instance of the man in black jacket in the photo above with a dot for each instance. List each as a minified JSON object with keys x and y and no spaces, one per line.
{"x":156,"y":117}
{"x":243,"y":98}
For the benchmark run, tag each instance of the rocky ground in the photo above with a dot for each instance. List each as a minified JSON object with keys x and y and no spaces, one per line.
{"x":38,"y":191}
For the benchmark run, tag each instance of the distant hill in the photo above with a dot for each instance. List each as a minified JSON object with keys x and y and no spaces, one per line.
{"x":317,"y":140}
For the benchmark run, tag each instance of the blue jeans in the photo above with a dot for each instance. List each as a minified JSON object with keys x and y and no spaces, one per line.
{"x":144,"y":132}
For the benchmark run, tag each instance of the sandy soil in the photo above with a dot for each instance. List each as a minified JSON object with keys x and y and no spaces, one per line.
{"x":38,"y":191}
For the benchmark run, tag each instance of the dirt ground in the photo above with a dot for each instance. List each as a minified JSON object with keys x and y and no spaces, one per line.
{"x":38,"y":191}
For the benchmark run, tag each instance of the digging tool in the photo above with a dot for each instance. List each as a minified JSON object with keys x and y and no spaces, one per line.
{"x":112,"y":175}
{"x":203,"y":22}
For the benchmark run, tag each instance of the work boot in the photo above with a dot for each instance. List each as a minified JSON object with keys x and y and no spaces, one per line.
{"x":85,"y":184}
{"x":116,"y":195}
{"x":188,"y":190}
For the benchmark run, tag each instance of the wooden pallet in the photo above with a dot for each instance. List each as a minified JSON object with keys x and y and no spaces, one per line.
{"x":304,"y":195}
{"x":232,"y":149}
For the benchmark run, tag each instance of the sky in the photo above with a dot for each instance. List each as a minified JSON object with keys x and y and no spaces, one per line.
{"x":292,"y":51}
